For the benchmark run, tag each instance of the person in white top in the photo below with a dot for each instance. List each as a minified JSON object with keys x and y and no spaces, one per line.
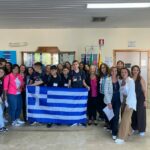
{"x":128,"y":100}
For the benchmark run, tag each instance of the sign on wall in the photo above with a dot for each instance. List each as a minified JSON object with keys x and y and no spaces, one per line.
{"x":9,"y":55}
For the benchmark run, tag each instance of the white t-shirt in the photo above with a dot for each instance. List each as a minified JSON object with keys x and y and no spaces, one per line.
{"x":18,"y":84}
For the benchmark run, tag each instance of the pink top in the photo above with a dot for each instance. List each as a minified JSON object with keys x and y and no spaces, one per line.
{"x":94,"y":87}
{"x":10,"y":83}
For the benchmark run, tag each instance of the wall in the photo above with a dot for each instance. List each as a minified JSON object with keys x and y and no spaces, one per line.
{"x":75,"y":39}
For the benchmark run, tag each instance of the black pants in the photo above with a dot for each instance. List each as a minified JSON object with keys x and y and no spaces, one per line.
{"x":24,"y":105}
{"x":114,"y":123}
{"x":100,"y":106}
{"x":92,"y":107}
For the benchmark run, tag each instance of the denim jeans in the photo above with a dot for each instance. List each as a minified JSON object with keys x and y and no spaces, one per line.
{"x":1,"y":116}
{"x":15,"y":106}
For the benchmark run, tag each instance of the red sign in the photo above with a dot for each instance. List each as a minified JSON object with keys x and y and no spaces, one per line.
{"x":101,"y":42}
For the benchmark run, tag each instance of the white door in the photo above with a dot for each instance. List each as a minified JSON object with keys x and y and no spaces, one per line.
{"x":135,"y":58}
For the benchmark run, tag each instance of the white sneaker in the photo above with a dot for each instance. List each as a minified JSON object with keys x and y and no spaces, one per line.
{"x":119,"y":141}
{"x":114,"y":137}
{"x":20,"y":122}
{"x":75,"y":124}
{"x":15,"y":124}
{"x":142,"y":134}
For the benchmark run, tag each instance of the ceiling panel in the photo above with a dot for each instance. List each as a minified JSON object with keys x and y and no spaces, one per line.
{"x":68,"y":14}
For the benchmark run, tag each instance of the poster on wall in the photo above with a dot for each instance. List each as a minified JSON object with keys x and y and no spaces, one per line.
{"x":88,"y":58}
{"x":9,"y":55}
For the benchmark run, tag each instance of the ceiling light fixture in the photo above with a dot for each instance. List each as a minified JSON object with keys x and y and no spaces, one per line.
{"x":117,"y":5}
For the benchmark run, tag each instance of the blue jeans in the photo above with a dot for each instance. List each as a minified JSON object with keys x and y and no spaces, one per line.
{"x":15,"y":106}
{"x":1,"y":117}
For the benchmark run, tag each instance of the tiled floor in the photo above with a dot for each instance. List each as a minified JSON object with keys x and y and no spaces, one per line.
{"x":69,"y":138}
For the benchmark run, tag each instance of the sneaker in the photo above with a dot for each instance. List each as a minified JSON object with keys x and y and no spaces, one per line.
{"x":142,"y":134}
{"x":15,"y":124}
{"x":34,"y":124}
{"x":90,"y":122}
{"x":114,"y":137}
{"x":3,"y":129}
{"x":82,"y":124}
{"x":75,"y":124}
{"x":20,"y":122}
{"x":119,"y":141}
{"x":95,"y":123}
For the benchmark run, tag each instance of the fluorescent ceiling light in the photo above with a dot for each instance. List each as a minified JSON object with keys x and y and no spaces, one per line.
{"x":117,"y":5}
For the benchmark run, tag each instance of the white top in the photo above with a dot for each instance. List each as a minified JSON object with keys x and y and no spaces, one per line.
{"x":128,"y":90}
{"x":18,"y":84}
{"x":108,"y":90}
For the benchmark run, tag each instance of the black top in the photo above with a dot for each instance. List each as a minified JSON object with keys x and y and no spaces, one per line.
{"x":139,"y":92}
{"x":1,"y":86}
{"x":46,"y":79}
{"x":64,"y":81}
{"x":77,"y":78}
{"x":116,"y":87}
{"x":37,"y":77}
{"x":54,"y":81}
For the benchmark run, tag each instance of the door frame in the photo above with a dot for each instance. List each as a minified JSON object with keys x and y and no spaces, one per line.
{"x":148,"y":65}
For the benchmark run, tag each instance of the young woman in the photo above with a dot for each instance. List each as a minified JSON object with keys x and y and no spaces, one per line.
{"x":139,"y":116}
{"x":59,"y":69}
{"x":128,"y":104}
{"x":92,"y":82}
{"x":8,"y":67}
{"x":68,"y":65}
{"x":103,"y":73}
{"x":2,"y":124}
{"x":112,"y":99}
{"x":30,"y":72}
{"x":120,"y":65}
{"x":13,"y":84}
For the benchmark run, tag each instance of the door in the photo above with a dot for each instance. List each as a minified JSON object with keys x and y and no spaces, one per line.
{"x":131,"y":58}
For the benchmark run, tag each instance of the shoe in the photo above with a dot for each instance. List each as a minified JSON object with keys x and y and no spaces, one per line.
{"x":114,"y":137}
{"x":20,"y":122}
{"x":119,"y":141}
{"x":15,"y":124}
{"x":34,"y":124}
{"x":134,"y":132}
{"x":95,"y":123}
{"x":142,"y":134}
{"x":3,"y":129}
{"x":82,"y":124}
{"x":72,"y":125}
{"x":90,"y":122}
{"x":49,"y":125}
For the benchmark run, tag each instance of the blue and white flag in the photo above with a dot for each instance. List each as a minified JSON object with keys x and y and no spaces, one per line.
{"x":56,"y":105}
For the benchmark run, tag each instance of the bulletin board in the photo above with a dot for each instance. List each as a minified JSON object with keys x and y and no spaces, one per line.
{"x":9,"y":55}
{"x":66,"y":56}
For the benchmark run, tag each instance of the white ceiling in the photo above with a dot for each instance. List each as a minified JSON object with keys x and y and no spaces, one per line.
{"x":68,"y":14}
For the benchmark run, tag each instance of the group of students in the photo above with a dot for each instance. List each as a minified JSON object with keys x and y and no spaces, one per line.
{"x":115,"y":87}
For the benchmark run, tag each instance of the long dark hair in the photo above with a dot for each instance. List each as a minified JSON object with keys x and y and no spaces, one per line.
{"x":139,"y":74}
{"x":1,"y":68}
{"x":101,"y":74}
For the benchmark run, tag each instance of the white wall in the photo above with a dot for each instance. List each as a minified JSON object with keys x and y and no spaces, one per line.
{"x":75,"y":39}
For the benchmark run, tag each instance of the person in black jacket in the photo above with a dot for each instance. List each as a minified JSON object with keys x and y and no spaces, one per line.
{"x":65,"y":77}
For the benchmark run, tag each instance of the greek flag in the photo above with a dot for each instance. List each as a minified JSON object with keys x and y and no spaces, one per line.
{"x":56,"y":105}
